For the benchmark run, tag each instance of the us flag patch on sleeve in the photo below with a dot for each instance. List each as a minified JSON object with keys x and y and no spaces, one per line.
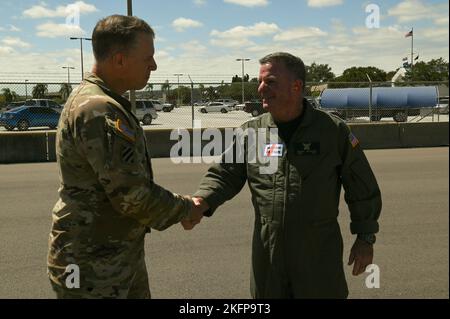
{"x":273,"y":150}
{"x":353,"y":140}
{"x":125,"y":131}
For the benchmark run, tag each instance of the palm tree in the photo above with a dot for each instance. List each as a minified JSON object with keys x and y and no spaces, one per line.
{"x":149,"y":88}
{"x":166,"y":86}
{"x":40,"y":91}
{"x":7,"y":94}
{"x":65,"y":91}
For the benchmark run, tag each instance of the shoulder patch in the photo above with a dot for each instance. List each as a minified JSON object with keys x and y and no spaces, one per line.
{"x":125,"y":131}
{"x":353,"y":140}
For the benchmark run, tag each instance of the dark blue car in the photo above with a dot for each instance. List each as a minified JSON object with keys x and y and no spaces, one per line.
{"x":24,"y":117}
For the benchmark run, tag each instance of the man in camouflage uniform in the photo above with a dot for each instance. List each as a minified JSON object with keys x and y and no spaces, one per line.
{"x":297,"y":247}
{"x":108,"y":200}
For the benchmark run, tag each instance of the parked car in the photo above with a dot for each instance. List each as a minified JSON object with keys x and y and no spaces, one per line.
{"x":13,"y":105}
{"x":145,"y":111}
{"x":442,"y":106}
{"x":165,"y":107}
{"x":230,"y":102}
{"x":24,"y":117}
{"x":215,"y":107}
{"x":254,"y":107}
{"x":44,"y":103}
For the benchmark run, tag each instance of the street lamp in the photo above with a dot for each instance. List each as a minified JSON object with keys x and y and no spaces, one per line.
{"x":68,"y":72}
{"x":243,"y":61}
{"x":81,"y":46}
{"x":26,"y":90}
{"x":178,"y":89}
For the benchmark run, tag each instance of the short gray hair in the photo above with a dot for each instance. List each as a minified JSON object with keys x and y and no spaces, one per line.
{"x":117,"y":33}
{"x":292,"y":63}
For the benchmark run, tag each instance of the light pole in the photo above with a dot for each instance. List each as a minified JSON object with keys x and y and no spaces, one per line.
{"x":243,"y":61}
{"x":68,"y":72}
{"x":178,"y":89}
{"x":26,"y":90}
{"x":81,"y":46}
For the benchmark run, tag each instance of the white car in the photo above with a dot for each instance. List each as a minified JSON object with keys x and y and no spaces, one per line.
{"x":215,"y":107}
{"x":165,"y":107}
{"x":145,"y":112}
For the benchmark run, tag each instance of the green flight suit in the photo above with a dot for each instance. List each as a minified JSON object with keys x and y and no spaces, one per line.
{"x":297,"y":247}
{"x":108,"y":200}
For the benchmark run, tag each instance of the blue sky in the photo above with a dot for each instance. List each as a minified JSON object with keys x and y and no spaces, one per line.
{"x":203,"y":38}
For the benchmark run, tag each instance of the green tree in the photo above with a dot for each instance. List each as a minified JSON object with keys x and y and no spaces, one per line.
{"x":65,"y":91}
{"x":319,"y":73}
{"x":434,"y":70}
{"x":40,"y":91}
{"x":149,"y":89}
{"x":359,"y":74}
{"x":7,"y":94}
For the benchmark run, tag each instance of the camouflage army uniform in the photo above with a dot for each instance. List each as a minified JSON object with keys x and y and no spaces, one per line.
{"x":108,"y":200}
{"x":297,"y":247}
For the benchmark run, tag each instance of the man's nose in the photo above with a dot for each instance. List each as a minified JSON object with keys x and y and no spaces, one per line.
{"x":261,"y":88}
{"x":153,"y":65}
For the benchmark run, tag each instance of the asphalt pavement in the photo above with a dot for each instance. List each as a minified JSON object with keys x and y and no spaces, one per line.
{"x":213,"y":260}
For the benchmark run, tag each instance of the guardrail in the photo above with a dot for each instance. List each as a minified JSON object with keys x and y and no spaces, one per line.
{"x":31,"y":147}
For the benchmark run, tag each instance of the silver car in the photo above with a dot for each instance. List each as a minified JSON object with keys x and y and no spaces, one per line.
{"x":215,"y":107}
{"x":145,"y":112}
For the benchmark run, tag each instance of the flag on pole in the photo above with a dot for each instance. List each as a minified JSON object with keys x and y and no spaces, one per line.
{"x":417,"y":58}
{"x":409,"y":34}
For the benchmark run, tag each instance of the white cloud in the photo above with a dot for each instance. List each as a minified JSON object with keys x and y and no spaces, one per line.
{"x":193,"y":48}
{"x":257,"y":30}
{"x":199,"y":2}
{"x":53,"y":30}
{"x":441,"y":21}
{"x":299,"y":34}
{"x":413,"y":10}
{"x":6,"y":51}
{"x":2,"y":29}
{"x":249,"y":3}
{"x":232,"y":42}
{"x":13,"y":28}
{"x":42,"y":11}
{"x":15,"y":42}
{"x":324,"y":3}
{"x":181,"y":24}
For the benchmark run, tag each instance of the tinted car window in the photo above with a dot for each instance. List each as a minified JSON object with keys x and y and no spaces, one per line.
{"x":53,"y":104}
{"x":42,"y":103}
{"x":139,"y":105}
{"x":29,"y":102}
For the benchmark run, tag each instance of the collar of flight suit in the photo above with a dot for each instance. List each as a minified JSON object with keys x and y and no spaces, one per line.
{"x":307,"y":116}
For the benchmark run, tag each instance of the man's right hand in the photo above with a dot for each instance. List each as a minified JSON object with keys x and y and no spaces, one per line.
{"x":196,"y":214}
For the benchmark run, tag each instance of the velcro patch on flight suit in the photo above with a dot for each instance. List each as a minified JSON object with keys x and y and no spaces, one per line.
{"x":125,"y":131}
{"x":353,"y":140}
{"x":273,"y":150}
{"x":307,"y":148}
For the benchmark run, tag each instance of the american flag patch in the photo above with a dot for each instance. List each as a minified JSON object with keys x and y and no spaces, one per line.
{"x":353,"y":140}
{"x":273,"y":150}
{"x":125,"y":130}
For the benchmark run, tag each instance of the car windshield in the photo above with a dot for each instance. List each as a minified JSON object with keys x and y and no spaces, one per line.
{"x":18,"y":109}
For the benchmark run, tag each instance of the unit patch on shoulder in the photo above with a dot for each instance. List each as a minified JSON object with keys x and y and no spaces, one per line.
{"x":353,"y":140}
{"x":125,"y":131}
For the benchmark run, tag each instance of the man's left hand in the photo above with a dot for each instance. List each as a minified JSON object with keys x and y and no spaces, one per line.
{"x":362,"y":255}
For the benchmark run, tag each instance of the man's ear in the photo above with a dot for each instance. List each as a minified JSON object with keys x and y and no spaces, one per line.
{"x":118,"y":60}
{"x":298,"y":86}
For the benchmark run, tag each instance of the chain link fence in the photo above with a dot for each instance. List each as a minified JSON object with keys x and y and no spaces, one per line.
{"x":221,"y":104}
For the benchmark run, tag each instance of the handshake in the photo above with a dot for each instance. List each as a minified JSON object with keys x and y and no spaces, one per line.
{"x":199,"y":206}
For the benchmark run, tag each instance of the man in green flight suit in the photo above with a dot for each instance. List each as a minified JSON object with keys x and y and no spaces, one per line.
{"x":297,"y":248}
{"x":108,"y":200}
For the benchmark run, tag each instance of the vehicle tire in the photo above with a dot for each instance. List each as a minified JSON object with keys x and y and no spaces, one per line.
{"x":204,"y":111}
{"x":375,"y":118}
{"x":255,"y":113}
{"x":223,"y":111}
{"x":23,"y":125}
{"x":400,"y":117}
{"x":166,"y":109}
{"x":147,"y":120}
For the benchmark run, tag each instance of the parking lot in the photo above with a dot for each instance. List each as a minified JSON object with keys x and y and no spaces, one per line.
{"x":182,"y":118}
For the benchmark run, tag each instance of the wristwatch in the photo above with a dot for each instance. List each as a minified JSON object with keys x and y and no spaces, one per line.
{"x":369,"y":238}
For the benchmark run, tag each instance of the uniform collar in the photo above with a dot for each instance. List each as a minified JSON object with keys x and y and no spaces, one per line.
{"x":307,"y":115}
{"x":94,"y":79}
